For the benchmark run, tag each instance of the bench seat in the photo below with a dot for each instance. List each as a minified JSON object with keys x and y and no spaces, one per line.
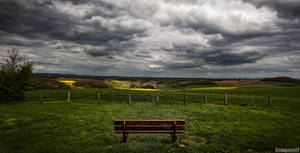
{"x":149,"y":126}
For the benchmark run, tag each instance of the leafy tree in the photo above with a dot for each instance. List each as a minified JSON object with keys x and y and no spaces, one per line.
{"x":15,"y":76}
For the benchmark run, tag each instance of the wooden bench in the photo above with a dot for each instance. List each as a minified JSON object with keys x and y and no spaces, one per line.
{"x":149,"y":126}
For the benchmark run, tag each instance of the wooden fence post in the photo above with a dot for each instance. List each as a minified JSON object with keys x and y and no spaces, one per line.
{"x":69,"y":96}
{"x":225,"y":98}
{"x":26,"y":98}
{"x":184,"y":97}
{"x":98,"y":97}
{"x":205,"y":99}
{"x":157,"y":95}
{"x":269,"y":99}
{"x":129,"y":96}
{"x":111,"y":96}
{"x":42,"y":95}
{"x":266,"y":98}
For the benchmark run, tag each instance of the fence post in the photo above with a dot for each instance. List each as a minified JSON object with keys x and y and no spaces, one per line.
{"x":184,"y":97}
{"x":26,"y":98}
{"x":157,"y":98}
{"x":69,"y":96}
{"x":205,"y":99}
{"x":225,"y":98}
{"x":269,"y":99}
{"x":129,"y":96}
{"x":42,"y":95}
{"x":111,"y":96}
{"x":98,"y":96}
{"x":157,"y":95}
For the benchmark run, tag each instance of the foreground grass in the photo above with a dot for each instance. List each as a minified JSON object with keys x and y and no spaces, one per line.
{"x":246,"y":124}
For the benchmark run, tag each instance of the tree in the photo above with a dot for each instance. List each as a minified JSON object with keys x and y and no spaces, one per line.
{"x":15,"y":76}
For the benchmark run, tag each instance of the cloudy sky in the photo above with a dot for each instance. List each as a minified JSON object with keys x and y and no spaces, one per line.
{"x":165,"y":38}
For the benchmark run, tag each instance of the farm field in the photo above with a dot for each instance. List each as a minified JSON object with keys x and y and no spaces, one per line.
{"x":246,"y":124}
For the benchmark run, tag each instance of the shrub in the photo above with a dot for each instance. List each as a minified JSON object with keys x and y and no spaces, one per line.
{"x":15,"y":76}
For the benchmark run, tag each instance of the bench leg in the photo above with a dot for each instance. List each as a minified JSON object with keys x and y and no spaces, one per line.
{"x":173,"y":137}
{"x":125,"y":135}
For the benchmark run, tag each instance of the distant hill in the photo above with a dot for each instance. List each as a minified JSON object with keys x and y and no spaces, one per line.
{"x":282,"y":79}
{"x":58,"y":75}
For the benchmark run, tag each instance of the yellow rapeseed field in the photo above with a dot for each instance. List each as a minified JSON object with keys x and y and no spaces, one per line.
{"x":140,"y":89}
{"x":120,"y":82}
{"x":67,"y":82}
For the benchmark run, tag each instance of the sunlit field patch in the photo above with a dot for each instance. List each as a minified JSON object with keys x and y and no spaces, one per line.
{"x":67,"y":82}
{"x":11,"y":120}
{"x":118,"y":81}
{"x":215,"y":88}
{"x":139,"y":89}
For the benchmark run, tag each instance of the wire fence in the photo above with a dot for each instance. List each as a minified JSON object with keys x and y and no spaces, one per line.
{"x":156,"y":97}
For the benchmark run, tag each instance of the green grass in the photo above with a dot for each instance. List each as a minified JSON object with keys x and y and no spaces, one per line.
{"x":83,"y":126}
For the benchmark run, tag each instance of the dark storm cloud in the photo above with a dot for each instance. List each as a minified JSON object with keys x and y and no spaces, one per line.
{"x":96,"y":52}
{"x":146,"y":37}
{"x":92,"y":67}
{"x":44,"y":63}
{"x":15,"y":40}
{"x":217,"y":57}
{"x":142,"y":56}
{"x":40,"y":20}
{"x":289,"y":9}
{"x":183,"y":66}
{"x":110,"y":48}
{"x":224,"y":58}
{"x":32,"y":20}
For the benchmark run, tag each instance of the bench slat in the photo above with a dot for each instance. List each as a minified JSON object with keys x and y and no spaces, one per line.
{"x":149,"y":128}
{"x":149,"y":131}
{"x":149,"y":125}
{"x":149,"y":122}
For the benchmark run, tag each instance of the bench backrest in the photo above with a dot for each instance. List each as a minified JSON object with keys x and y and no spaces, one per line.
{"x":149,"y":126}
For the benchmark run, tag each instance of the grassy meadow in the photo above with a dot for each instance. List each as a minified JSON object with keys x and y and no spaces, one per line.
{"x":246,"y":124}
